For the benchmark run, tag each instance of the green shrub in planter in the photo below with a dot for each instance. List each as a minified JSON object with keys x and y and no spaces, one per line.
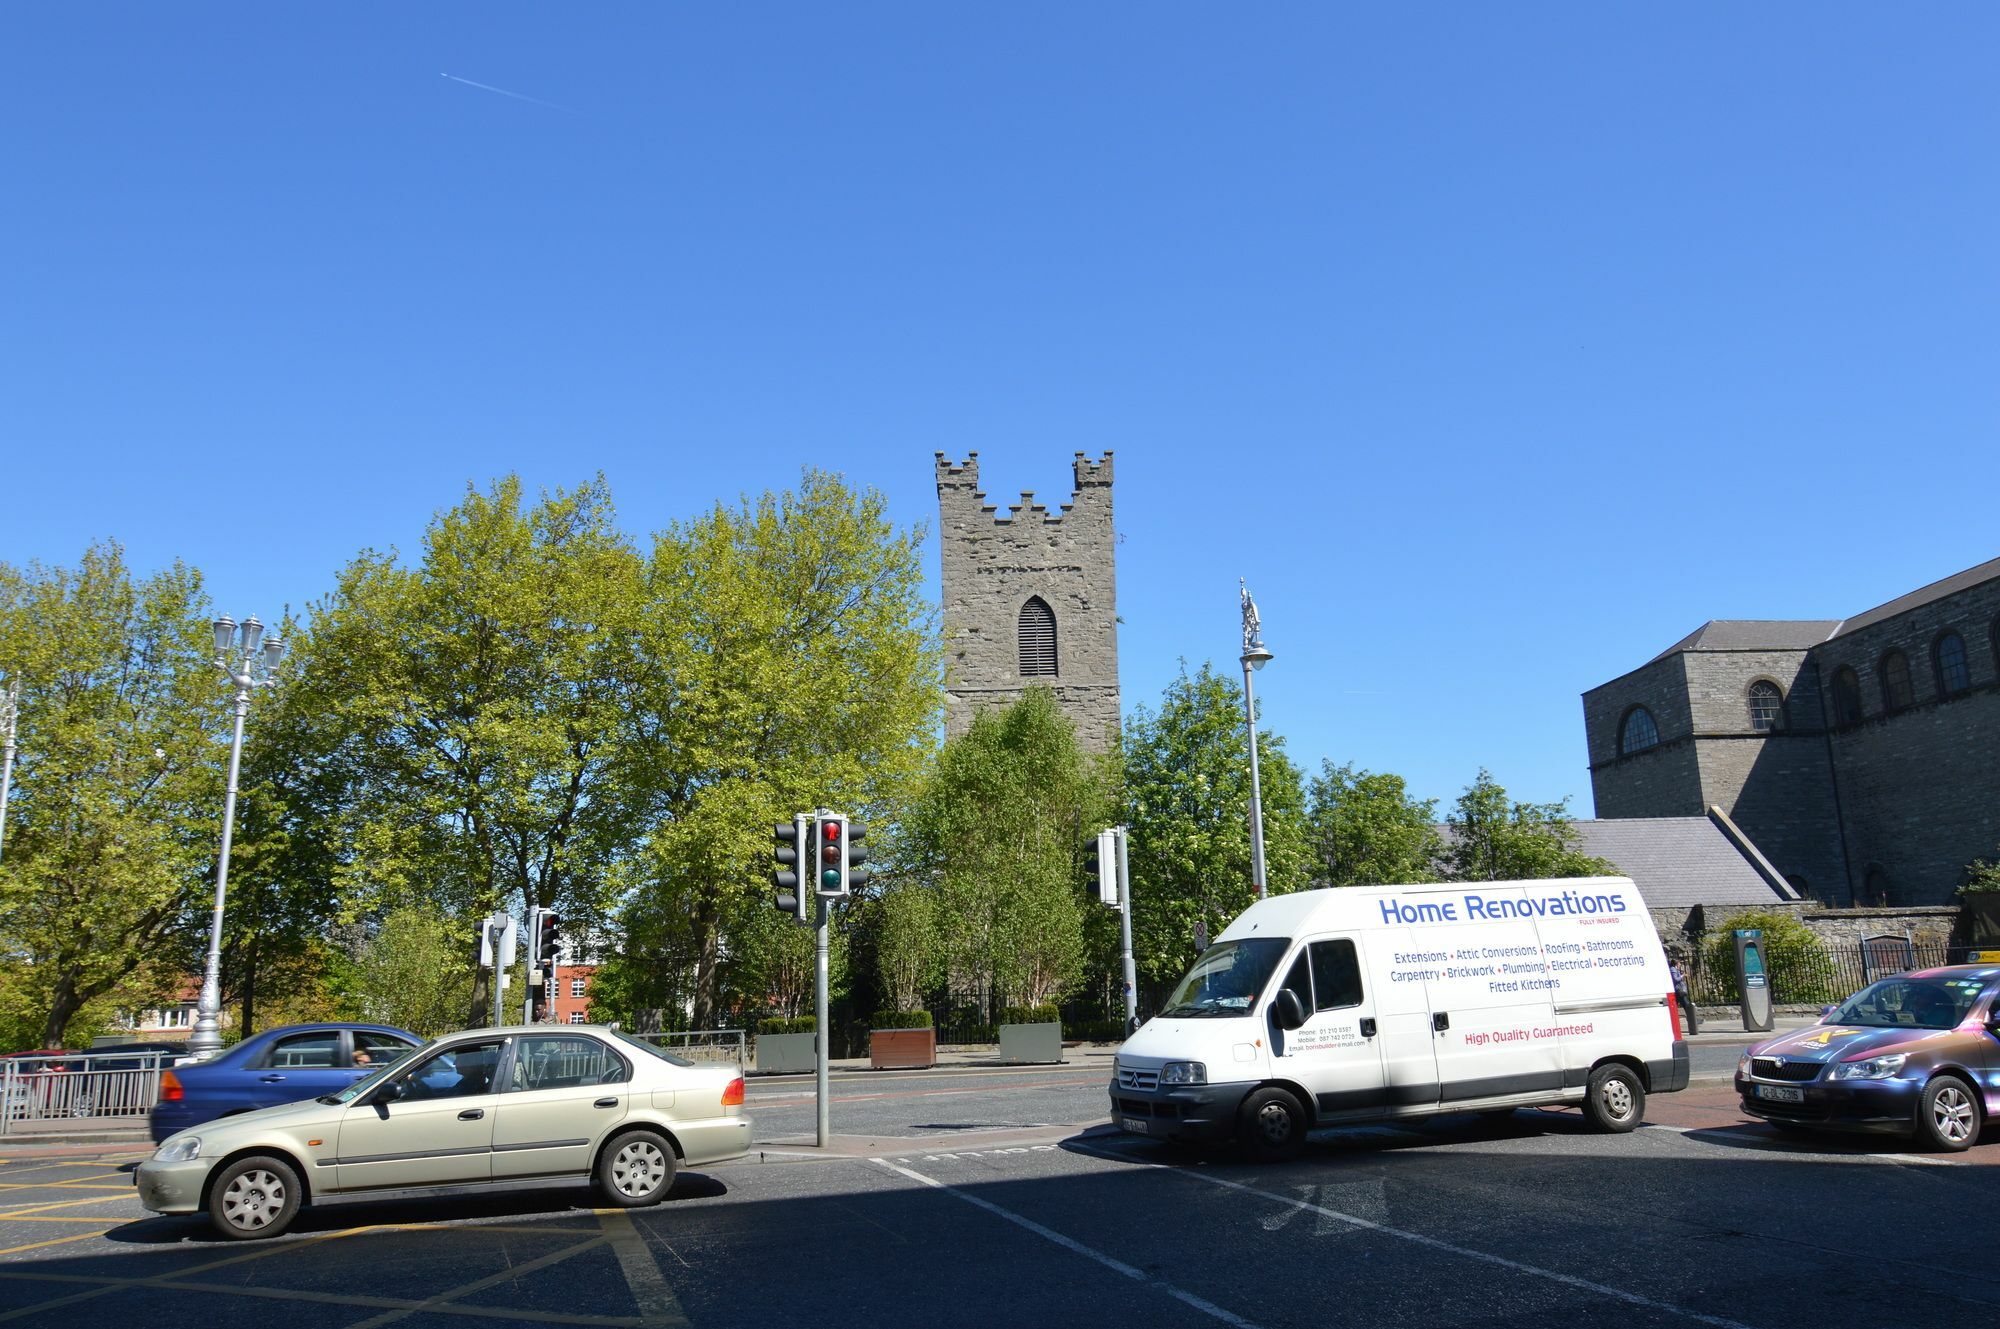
{"x":1044,"y":1014}
{"x":900,"y":1020}
{"x":778,"y":1024}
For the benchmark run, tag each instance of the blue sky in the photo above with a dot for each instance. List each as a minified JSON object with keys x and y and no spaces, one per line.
{"x":1498,"y":346}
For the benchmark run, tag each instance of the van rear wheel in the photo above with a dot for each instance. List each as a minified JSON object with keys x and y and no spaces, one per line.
{"x":1614,"y":1100}
{"x":1272,"y":1126}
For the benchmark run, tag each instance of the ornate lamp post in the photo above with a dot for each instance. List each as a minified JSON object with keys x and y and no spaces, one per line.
{"x":10,"y":710}
{"x":1254,"y":657}
{"x":236,"y":655}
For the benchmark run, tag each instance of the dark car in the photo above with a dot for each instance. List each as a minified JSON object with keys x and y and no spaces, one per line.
{"x":1918,"y":1054}
{"x":286,"y":1065}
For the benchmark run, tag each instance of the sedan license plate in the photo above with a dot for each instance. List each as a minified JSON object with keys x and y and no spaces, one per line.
{"x":1136,"y":1125}
{"x":1780,"y":1094}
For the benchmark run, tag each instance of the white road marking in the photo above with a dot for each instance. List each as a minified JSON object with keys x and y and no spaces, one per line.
{"x":1434,"y":1243}
{"x":657,"y":1303}
{"x":1073,"y":1245}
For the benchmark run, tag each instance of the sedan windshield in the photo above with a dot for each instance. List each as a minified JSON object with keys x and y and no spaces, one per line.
{"x":1227,"y":979}
{"x":1916,"y":1003}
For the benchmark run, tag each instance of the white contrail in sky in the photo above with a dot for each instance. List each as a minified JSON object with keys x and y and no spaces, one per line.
{"x":517,"y":96}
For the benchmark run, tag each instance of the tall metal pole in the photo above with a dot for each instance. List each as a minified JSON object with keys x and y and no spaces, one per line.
{"x":1125,"y":931}
{"x":10,"y":709}
{"x":1254,"y":657}
{"x":820,"y":1007}
{"x":207,"y":1033}
{"x":497,"y":934}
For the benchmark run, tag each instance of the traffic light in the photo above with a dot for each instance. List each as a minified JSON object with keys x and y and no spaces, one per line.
{"x":543,"y":942}
{"x":857,"y":876}
{"x":792,"y":897}
{"x":1100,"y":864}
{"x":830,"y":841}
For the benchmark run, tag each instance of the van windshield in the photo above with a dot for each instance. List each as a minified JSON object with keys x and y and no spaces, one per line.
{"x":1227,"y":979}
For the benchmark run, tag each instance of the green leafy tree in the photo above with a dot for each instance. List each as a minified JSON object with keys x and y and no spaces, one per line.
{"x":906,"y":943}
{"x":1187,"y":790}
{"x":1367,"y":830}
{"x":783,"y":658}
{"x":1000,"y":831}
{"x":473,"y":703}
{"x":114,"y":819}
{"x":1982,"y":876}
{"x":1794,"y":957}
{"x":1495,"y":838}
{"x":415,"y":972}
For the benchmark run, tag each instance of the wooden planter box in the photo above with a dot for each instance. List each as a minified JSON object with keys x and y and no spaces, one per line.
{"x":902,"y":1049}
{"x":782,"y":1054}
{"x":1031,"y":1044}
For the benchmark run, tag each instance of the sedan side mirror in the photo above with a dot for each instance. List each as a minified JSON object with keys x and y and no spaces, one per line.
{"x":1826,"y":1011}
{"x":388,"y":1093}
{"x":1289,"y":1010}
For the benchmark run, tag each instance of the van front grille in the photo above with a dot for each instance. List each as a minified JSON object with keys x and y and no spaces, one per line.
{"x":1132,"y":1078}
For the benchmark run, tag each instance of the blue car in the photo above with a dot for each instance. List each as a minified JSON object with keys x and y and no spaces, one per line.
{"x":285,"y":1065}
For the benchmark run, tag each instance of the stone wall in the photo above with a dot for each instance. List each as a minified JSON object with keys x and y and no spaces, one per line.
{"x":991,"y":565}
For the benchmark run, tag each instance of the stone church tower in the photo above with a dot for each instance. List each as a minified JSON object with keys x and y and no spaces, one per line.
{"x":1030,"y":599}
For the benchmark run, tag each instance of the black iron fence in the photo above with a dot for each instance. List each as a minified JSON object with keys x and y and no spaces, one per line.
{"x":1819,"y":974}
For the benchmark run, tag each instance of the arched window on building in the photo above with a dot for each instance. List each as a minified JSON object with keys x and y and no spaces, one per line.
{"x":1897,"y":693}
{"x":1767,"y":706}
{"x":1637,"y":732}
{"x":1799,"y":884}
{"x":1846,"y":697}
{"x":1875,"y":887}
{"x":1038,"y":639}
{"x":1949,"y":655}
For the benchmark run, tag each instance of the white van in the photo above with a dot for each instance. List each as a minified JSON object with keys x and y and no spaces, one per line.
{"x":1365,"y":1003}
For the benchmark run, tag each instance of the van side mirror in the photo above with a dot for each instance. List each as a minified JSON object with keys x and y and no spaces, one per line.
{"x":1289,"y":1010}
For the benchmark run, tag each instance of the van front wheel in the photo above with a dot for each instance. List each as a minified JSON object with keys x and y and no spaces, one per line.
{"x":1272,"y":1126}
{"x":1614,"y":1100}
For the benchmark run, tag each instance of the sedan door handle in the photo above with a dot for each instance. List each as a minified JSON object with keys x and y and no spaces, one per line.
{"x":472,"y":1114}
{"x":270,"y":1079}
{"x":605,"y":1102}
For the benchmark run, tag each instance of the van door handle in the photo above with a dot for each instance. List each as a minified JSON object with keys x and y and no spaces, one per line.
{"x":1368,"y":1026}
{"x":605,"y":1102}
{"x":1440,"y":1021}
{"x":472,"y":1114}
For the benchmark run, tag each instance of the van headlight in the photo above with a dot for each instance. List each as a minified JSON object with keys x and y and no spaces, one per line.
{"x":180,"y":1149}
{"x":1875,"y":1068}
{"x":1184,"y":1072}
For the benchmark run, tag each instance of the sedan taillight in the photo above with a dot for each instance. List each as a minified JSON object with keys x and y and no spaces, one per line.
{"x":733,"y":1095}
{"x":170,"y":1088}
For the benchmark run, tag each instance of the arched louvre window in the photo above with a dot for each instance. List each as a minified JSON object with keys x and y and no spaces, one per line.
{"x":1896,"y":690}
{"x":1953,"y":676}
{"x":1767,"y":706}
{"x":1846,"y":696}
{"x":1638,"y":732}
{"x":1038,"y":639}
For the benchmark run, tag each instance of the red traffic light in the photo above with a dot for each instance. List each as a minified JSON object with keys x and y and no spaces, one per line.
{"x":830,"y":829}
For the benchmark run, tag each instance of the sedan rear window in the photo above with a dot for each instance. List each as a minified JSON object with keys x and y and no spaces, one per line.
{"x":648,"y":1048}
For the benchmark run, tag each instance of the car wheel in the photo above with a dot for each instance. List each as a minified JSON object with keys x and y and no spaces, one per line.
{"x":1948,"y":1115}
{"x":1614,"y":1100}
{"x":1272,"y":1126}
{"x":254,"y":1197}
{"x":636,"y":1168}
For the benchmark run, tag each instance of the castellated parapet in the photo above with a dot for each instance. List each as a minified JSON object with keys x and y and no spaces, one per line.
{"x":993,"y":565}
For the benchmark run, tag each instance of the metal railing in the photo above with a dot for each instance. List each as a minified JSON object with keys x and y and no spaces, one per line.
{"x":47,"y":1093}
{"x":1825,"y":974}
{"x":717,"y":1046}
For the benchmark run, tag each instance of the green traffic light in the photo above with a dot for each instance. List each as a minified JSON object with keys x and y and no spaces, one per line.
{"x":830,"y":878}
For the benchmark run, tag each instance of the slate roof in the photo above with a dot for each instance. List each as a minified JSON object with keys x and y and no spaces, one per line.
{"x":1754,"y":634}
{"x":1923,"y":595}
{"x":1678,"y":862}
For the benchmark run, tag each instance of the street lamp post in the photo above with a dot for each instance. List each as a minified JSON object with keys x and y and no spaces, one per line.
{"x":236,"y":655}
{"x":10,"y":710}
{"x":1254,"y":657}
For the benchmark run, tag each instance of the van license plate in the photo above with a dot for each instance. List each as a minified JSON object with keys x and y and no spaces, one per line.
{"x":1136,"y":1125}
{"x":1781,"y":1094}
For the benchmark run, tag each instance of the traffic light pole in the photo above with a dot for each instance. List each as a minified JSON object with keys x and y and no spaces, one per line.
{"x":820,"y":1026}
{"x":497,"y":934}
{"x":1125,"y":929}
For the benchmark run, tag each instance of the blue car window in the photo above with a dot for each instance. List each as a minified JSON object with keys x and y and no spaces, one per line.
{"x":316,"y":1051}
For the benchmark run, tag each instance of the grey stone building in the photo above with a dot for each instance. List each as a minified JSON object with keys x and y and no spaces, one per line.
{"x":1861,"y":755}
{"x":1030,"y":599}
